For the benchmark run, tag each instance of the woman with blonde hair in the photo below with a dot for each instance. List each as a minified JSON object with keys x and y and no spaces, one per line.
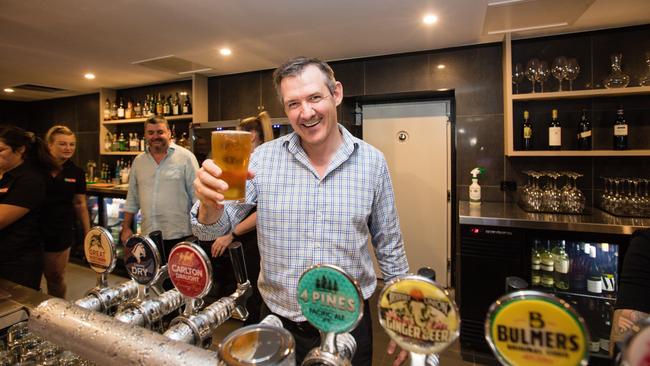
{"x":66,"y":196}
{"x":260,"y":128}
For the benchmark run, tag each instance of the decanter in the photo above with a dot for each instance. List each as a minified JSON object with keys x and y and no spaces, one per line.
{"x":645,"y":78}
{"x":617,"y":79}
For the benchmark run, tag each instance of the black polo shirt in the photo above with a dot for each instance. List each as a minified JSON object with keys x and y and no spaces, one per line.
{"x":58,"y":213}
{"x":23,"y":186}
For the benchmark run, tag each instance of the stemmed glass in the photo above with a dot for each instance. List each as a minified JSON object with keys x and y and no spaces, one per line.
{"x":572,"y":71}
{"x":543,"y":73}
{"x":517,"y":76}
{"x":552,"y":195}
{"x":559,"y":70}
{"x":645,"y":78}
{"x":531,"y":71}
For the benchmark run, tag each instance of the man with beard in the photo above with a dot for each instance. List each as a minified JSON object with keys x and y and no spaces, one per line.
{"x":160,"y":186}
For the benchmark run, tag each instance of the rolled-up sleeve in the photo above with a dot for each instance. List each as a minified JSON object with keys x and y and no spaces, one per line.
{"x":132,"y":201}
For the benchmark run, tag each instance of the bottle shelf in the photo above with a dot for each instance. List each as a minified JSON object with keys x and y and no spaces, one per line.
{"x":138,"y":120}
{"x":642,"y":152}
{"x":121,"y":152}
{"x":577,"y":294}
{"x":589,"y":93}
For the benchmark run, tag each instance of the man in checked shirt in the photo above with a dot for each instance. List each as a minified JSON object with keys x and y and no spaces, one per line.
{"x":320,"y":194}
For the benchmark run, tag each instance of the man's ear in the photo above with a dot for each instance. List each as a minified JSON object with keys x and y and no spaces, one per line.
{"x":338,"y":93}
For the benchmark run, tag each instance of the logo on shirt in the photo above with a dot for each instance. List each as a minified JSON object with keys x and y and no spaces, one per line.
{"x":70,"y":180}
{"x":4,"y":190}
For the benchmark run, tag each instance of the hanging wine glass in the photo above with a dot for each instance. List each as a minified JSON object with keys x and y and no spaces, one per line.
{"x":543,"y":72}
{"x":531,"y":71}
{"x":645,"y":79}
{"x":572,"y":71}
{"x":517,"y":76}
{"x":617,"y":79}
{"x":559,"y":70}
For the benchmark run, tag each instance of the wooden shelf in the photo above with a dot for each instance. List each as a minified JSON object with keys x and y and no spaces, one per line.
{"x":139,"y":120}
{"x":121,"y":152}
{"x":590,"y":93}
{"x":558,"y":153}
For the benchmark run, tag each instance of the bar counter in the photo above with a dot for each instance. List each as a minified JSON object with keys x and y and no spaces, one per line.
{"x":511,"y":215}
{"x":106,"y":191}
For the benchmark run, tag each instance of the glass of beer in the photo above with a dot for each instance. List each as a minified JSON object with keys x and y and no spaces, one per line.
{"x":231,"y":151}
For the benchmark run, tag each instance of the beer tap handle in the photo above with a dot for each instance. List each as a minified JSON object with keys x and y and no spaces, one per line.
{"x":427,"y":272}
{"x":157,"y":238}
{"x":236,"y":251}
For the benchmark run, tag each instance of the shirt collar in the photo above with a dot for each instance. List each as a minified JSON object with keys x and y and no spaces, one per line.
{"x":170,"y":149}
{"x":292,"y":143}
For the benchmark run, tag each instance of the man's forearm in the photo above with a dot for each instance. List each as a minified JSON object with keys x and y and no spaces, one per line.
{"x":208,"y":215}
{"x":127,"y":222}
{"x":624,"y":321}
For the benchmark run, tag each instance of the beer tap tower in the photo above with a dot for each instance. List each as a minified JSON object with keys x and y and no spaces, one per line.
{"x":144,"y":265}
{"x":191,"y":273}
{"x":100,"y":251}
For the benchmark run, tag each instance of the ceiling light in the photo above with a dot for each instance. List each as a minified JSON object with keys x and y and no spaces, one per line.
{"x":225,"y":52}
{"x":89,"y":76}
{"x":9,"y":90}
{"x":441,"y":66}
{"x":429,"y":19}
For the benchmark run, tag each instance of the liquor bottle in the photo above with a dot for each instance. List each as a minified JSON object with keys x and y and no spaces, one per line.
{"x":547,"y":266}
{"x":584,"y":132}
{"x":120,"y":110}
{"x":561,"y":267}
{"x":620,"y":131}
{"x":606,"y":326}
{"x":107,"y":110}
{"x":108,"y":142}
{"x":173,"y":135}
{"x":142,"y":144}
{"x":128,"y":113}
{"x":159,"y":105}
{"x":527,"y":132}
{"x":167,"y":106}
{"x":536,"y":265}
{"x":187,"y":105}
{"x":137,"y":110}
{"x":595,"y":274}
{"x":554,"y":132}
{"x":609,"y":270}
{"x":175,"y":105}
{"x":146,"y":110}
{"x":121,"y":142}
{"x":114,"y":110}
{"x":593,"y":318}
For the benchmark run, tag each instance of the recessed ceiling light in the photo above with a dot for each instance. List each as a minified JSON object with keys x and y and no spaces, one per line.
{"x":441,"y":66}
{"x":225,"y":52}
{"x":429,"y":19}
{"x":89,"y":76}
{"x":9,"y":90}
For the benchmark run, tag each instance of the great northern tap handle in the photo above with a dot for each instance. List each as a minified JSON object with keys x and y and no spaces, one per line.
{"x":236,"y":251}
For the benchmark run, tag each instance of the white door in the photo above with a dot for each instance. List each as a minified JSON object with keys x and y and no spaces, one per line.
{"x":415,"y":139}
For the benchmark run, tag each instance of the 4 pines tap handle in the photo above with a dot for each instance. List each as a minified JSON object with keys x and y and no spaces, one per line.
{"x":427,"y":272}
{"x":236,"y":251}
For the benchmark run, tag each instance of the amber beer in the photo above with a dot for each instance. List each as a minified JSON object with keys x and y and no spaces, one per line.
{"x":231,"y":151}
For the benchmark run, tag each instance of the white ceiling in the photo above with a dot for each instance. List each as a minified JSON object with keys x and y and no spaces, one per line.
{"x":53,"y":43}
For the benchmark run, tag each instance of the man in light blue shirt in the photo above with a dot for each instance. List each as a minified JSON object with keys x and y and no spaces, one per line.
{"x":160,"y":185}
{"x":321,"y":194}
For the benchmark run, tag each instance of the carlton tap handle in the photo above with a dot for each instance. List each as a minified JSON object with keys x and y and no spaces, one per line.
{"x":236,"y":251}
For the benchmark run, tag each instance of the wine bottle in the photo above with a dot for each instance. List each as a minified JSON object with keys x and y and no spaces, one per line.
{"x":175,"y":105}
{"x":159,"y":105}
{"x":595,"y":274}
{"x":107,"y":110}
{"x":167,"y":106}
{"x":561,"y":267}
{"x":584,"y":132}
{"x":114,"y":110}
{"x":187,"y":106}
{"x":620,"y":131}
{"x":593,"y":317}
{"x":527,"y":132}
{"x":554,"y":132}
{"x":120,"y":110}
{"x":609,"y":269}
{"x":535,"y":265}
{"x":547,"y":266}
{"x":606,"y":326}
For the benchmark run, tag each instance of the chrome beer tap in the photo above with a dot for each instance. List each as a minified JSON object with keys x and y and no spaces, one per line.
{"x":143,"y":263}
{"x":191,"y":273}
{"x":332,"y":302}
{"x":100,"y":251}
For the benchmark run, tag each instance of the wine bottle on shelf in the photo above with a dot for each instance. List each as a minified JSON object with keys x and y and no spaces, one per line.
{"x":578,"y":268}
{"x":620,"y":131}
{"x":187,"y":105}
{"x":595,"y":274}
{"x":167,"y":106}
{"x":561,"y":267}
{"x":547,"y":266}
{"x":593,"y":318}
{"x":527,"y":132}
{"x":605,"y":326}
{"x":107,"y":110}
{"x":175,"y":105}
{"x":536,"y":265}
{"x":609,"y":269}
{"x":584,"y":132}
{"x":114,"y":110}
{"x":554,"y":132}
{"x":159,"y":105}
{"x":121,"y":142}
{"x":173,"y":135}
{"x":120,"y":110}
{"x":137,"y":110}
{"x":128,"y":112}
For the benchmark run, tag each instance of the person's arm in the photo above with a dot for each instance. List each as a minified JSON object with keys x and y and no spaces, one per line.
{"x":247,"y":225}
{"x":127,"y":224}
{"x":81,"y":208}
{"x":624,"y":321}
{"x":10,"y":214}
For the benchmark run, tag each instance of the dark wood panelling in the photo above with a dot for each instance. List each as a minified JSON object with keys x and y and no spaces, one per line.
{"x":269,"y":97}
{"x":239,"y":95}
{"x":214,"y":113}
{"x":395,"y":74}
{"x":352,"y":75}
{"x":14,"y":113}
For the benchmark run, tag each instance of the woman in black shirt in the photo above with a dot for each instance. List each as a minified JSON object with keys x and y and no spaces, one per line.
{"x":66,"y":196}
{"x":24,"y":165}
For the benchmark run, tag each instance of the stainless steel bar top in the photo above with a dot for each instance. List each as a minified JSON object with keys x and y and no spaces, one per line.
{"x":510,"y":215}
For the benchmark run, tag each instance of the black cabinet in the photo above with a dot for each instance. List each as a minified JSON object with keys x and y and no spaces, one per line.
{"x":270,"y":101}
{"x":239,"y":96}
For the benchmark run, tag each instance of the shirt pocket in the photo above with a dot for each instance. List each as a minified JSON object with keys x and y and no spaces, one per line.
{"x":173,"y":173}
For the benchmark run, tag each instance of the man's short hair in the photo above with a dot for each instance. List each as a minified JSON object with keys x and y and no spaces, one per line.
{"x":154,"y":120}
{"x":295,"y":67}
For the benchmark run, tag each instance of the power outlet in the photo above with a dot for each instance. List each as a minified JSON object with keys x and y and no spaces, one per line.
{"x":508,"y":186}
